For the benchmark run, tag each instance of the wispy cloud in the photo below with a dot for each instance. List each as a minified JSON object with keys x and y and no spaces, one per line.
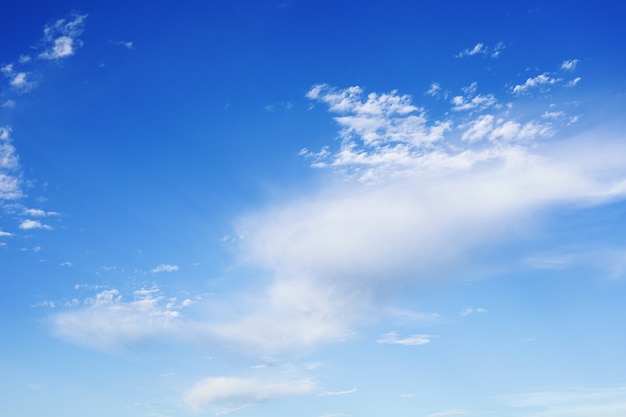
{"x":126,"y":44}
{"x":334,"y":393}
{"x":482,"y":49}
{"x":572,"y":402}
{"x":392,"y":338}
{"x":569,"y":65}
{"x":472,"y":310}
{"x":216,"y":390}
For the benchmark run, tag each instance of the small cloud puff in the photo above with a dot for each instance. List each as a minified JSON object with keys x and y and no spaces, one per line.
{"x":569,"y":65}
{"x":127,"y":44}
{"x":33,"y":224}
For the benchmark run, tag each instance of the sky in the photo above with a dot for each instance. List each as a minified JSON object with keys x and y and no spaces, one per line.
{"x":313,"y":208}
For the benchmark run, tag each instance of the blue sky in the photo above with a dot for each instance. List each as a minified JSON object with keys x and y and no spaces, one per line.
{"x":322,"y":209}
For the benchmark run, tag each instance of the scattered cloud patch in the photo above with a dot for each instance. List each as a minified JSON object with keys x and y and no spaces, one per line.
{"x":108,"y":321}
{"x":40,"y":213}
{"x":482,"y":49}
{"x":472,"y":100}
{"x":541,"y":80}
{"x":165,"y":268}
{"x":10,"y":182}
{"x":61,"y":37}
{"x":392,"y":338}
{"x":488,"y":127}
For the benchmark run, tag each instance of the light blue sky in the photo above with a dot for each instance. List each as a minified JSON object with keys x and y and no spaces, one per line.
{"x":321,"y":209}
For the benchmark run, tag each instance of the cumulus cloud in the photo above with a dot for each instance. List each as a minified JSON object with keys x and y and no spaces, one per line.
{"x":61,"y":37}
{"x":4,"y":234}
{"x":239,"y":390}
{"x":392,"y":338}
{"x":33,"y":224}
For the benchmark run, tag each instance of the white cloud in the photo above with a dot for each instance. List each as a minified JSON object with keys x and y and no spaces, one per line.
{"x":569,"y":65}
{"x":472,"y":100}
{"x":5,"y":234}
{"x":165,"y":268}
{"x":217,"y":390}
{"x":40,"y":213}
{"x":482,"y":49}
{"x":471,"y":310}
{"x":19,"y":80}
{"x":33,"y":224}
{"x":573,"y":82}
{"x":9,"y":161}
{"x":434,"y":89}
{"x":541,"y":80}
{"x":107,"y":321}
{"x":414,"y":340}
{"x":330,"y":257}
{"x":61,"y":37}
{"x":479,"y":48}
{"x":127,"y":44}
